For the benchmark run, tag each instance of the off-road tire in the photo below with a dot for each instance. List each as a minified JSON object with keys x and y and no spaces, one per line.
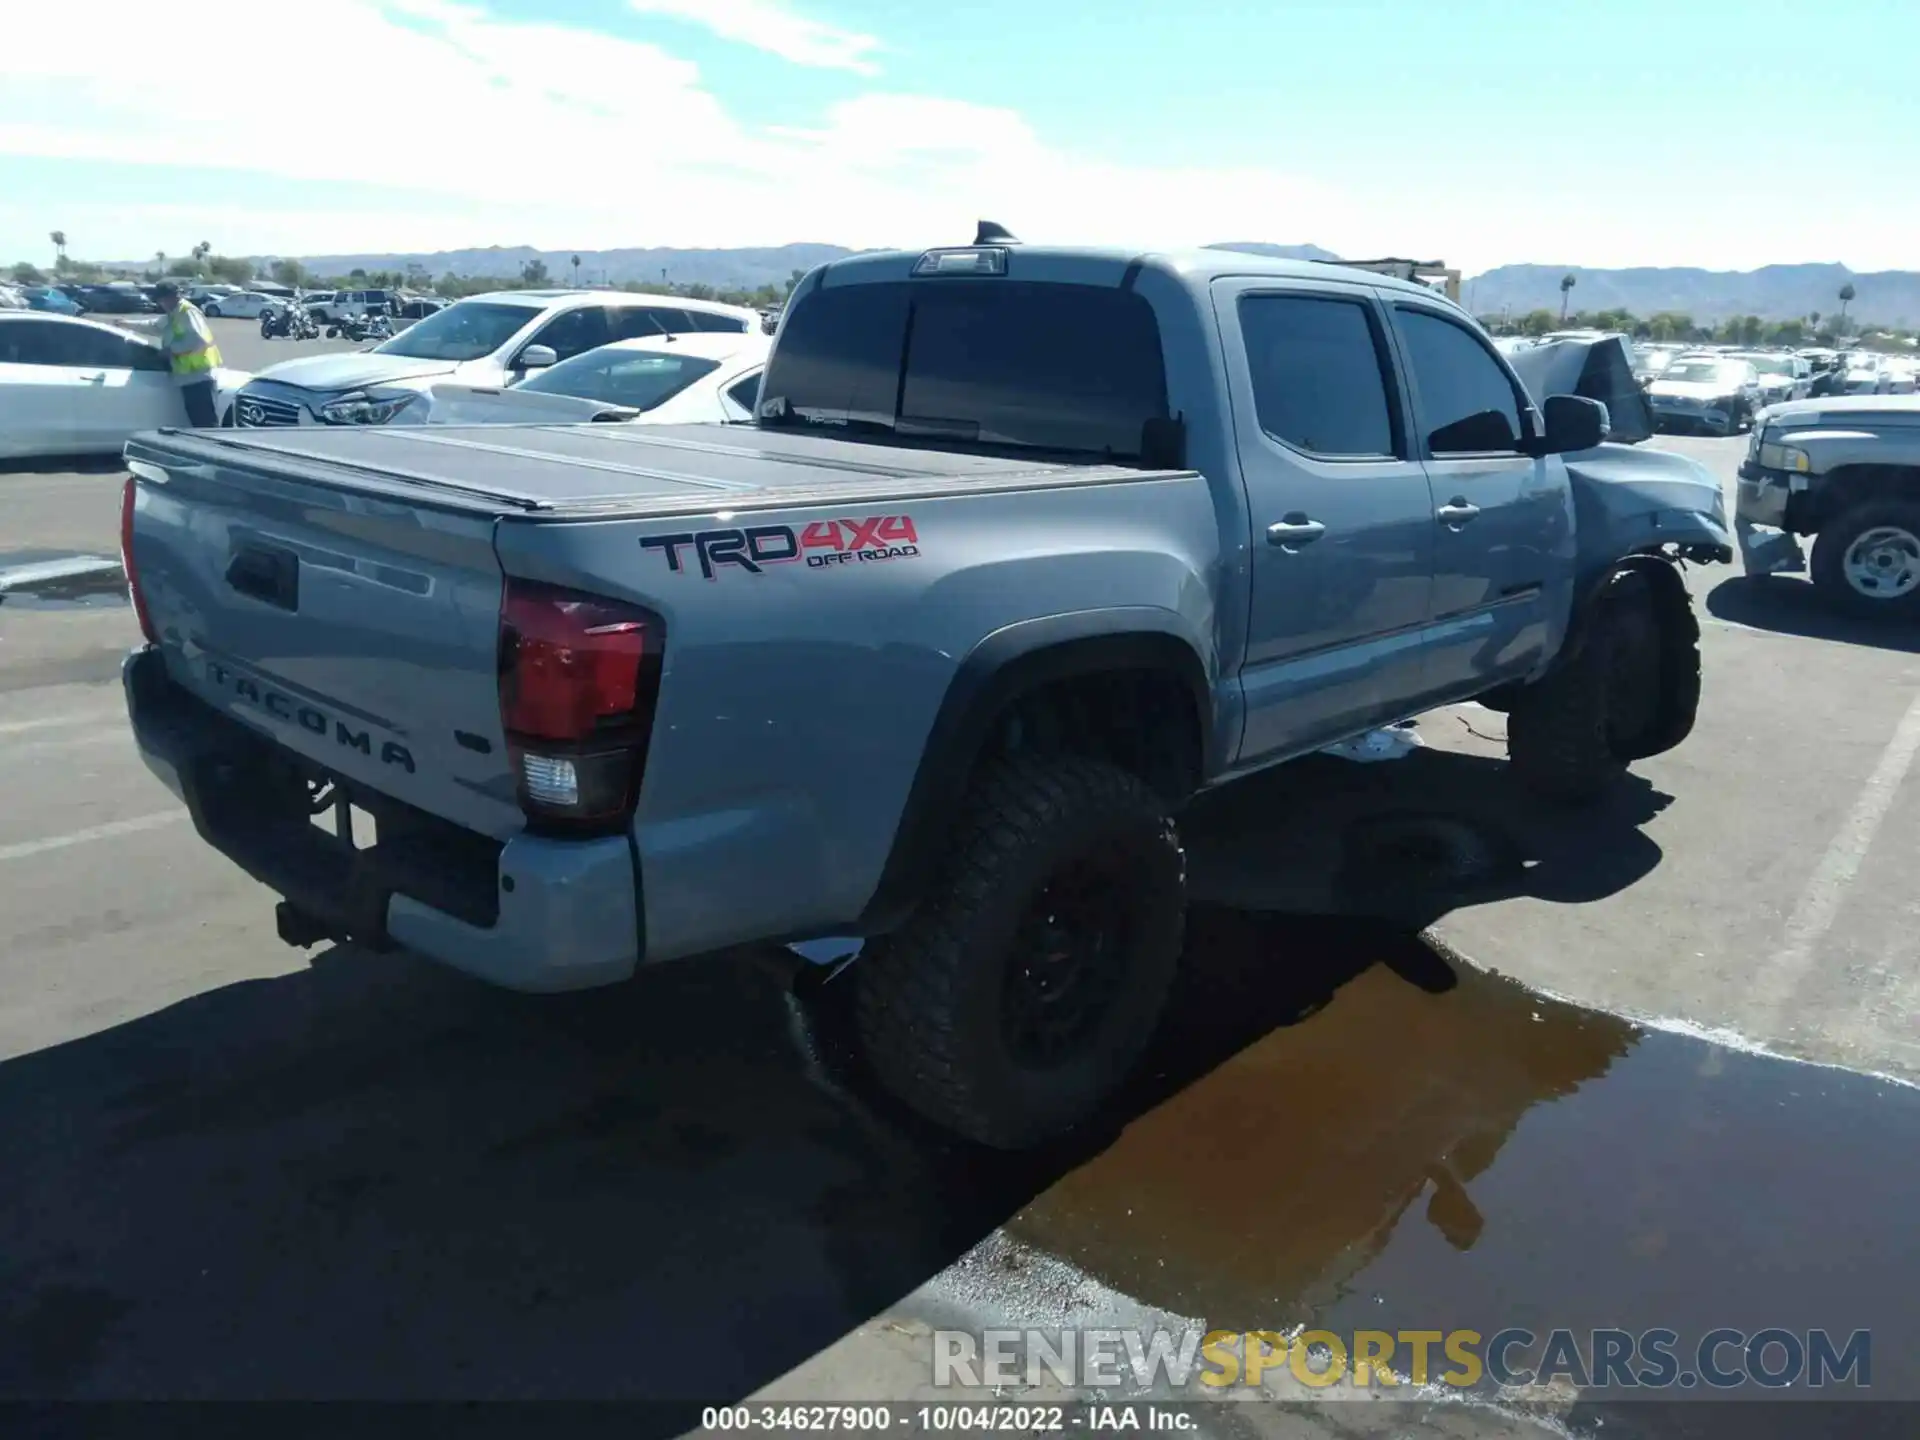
{"x":1566,"y":735}
{"x":1827,"y":565}
{"x":930,"y":997}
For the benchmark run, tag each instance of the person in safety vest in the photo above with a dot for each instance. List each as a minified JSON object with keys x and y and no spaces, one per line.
{"x":188,"y":341}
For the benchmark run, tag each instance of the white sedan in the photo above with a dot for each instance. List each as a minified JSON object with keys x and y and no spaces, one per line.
{"x":80,"y":387}
{"x":710,"y":377}
{"x":247,"y":305}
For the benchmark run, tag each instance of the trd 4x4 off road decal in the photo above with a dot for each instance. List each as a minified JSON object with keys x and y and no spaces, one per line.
{"x":822,"y":544}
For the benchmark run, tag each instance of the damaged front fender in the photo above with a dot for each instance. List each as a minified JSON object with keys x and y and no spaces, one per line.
{"x":1630,"y":501}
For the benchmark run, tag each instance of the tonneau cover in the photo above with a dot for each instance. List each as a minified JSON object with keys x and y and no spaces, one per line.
{"x":596,"y":469}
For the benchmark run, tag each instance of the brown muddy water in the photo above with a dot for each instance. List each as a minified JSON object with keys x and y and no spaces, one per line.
{"x":1435,"y":1148}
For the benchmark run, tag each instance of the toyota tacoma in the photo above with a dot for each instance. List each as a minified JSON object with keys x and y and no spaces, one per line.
{"x":1025,"y":547}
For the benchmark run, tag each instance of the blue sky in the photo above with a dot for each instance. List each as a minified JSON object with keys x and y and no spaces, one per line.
{"x":1721,"y":133}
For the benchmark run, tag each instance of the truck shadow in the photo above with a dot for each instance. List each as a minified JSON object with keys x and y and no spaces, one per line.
{"x":1788,"y":605}
{"x":373,"y":1179}
{"x":1410,"y":840}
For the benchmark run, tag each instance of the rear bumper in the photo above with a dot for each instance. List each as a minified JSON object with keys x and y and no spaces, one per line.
{"x":531,"y":914}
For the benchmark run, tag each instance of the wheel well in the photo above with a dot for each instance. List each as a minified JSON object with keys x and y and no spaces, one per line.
{"x":1141,"y":720}
{"x":1137,"y":700}
{"x":1852,"y":485}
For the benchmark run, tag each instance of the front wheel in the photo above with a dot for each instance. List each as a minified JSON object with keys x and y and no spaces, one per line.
{"x":1866,"y":560}
{"x":1630,"y":690}
{"x":1020,"y":995}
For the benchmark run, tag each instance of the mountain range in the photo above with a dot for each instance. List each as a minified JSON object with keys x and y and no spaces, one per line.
{"x":1773,"y":292}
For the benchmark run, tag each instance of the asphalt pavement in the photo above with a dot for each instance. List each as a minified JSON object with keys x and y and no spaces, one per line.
{"x":242,"y":348}
{"x":242,"y":1170}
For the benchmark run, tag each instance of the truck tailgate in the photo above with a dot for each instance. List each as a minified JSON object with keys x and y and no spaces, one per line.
{"x":356,"y":630}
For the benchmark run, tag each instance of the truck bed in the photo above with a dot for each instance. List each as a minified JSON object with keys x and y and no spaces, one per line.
{"x":614,"y":470}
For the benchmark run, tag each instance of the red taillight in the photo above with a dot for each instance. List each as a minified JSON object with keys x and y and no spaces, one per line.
{"x":126,"y":562}
{"x":579,"y":677}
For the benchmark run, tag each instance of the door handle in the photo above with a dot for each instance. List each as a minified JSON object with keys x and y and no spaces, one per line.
{"x":95,"y":377}
{"x":1295,"y":529}
{"x":1456,"y":512}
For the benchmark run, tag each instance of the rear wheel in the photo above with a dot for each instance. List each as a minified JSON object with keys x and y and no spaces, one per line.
{"x":1022,"y":993}
{"x":1866,"y":560}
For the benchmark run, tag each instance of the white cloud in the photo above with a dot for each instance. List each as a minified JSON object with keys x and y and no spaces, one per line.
{"x":769,"y":25}
{"x":574,"y":138}
{"x":526,"y":133}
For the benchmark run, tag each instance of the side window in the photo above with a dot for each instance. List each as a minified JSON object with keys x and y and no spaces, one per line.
{"x":575,"y":332}
{"x":82,"y":345}
{"x":746,"y":394}
{"x":143,"y":357}
{"x":1466,"y":400}
{"x":720,"y":324}
{"x":1319,"y":374}
{"x":633,"y":322}
{"x":34,"y":342}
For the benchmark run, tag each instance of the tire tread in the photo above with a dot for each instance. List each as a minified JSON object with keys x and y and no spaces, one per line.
{"x":909,"y":995}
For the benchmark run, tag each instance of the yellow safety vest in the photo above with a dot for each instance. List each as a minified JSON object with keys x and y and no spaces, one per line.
{"x":189,"y":341}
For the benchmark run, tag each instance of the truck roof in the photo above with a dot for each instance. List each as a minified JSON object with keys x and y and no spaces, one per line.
{"x":1195,"y":268}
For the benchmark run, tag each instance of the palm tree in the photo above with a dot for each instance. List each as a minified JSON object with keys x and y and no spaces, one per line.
{"x":201,"y":251}
{"x":1566,"y":293}
{"x":1846,"y":299}
{"x":160,"y":261}
{"x":576,"y":272}
{"x":1813,"y":319}
{"x":59,"y":238}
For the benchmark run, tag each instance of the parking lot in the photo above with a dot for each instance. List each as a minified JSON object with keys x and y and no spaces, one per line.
{"x":260,"y":1172}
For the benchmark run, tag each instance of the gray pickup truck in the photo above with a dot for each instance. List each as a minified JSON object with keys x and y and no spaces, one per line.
{"x":1025,"y":547}
{"x":1845,"y":469}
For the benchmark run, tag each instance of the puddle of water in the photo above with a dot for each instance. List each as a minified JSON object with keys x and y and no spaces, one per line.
{"x":1432,"y":1157}
{"x":60,"y":580}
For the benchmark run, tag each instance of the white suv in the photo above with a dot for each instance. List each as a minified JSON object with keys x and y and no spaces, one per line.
{"x":487,"y":340}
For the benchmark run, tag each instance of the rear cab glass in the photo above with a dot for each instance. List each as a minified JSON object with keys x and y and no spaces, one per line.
{"x":1075,"y":369}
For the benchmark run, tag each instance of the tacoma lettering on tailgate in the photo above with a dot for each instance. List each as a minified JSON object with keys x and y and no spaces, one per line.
{"x":822,"y":544}
{"x":315,"y":721}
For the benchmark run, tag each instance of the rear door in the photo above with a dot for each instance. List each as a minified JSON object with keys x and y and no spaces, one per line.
{"x":1500,"y":523}
{"x":1342,"y":518}
{"x":39,"y":399}
{"x":70,"y":389}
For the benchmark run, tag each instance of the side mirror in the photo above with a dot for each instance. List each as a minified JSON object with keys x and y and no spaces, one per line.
{"x":536,"y":357}
{"x":1573,"y":422}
